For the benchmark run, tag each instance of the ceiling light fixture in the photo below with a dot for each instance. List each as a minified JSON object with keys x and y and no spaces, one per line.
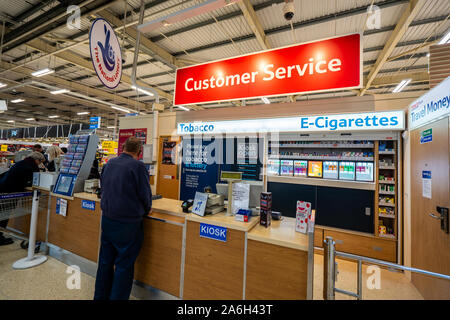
{"x":2,"y":85}
{"x":17,"y":100}
{"x":82,"y":113}
{"x":10,"y":121}
{"x":29,"y":119}
{"x":265,"y":100}
{"x":142,"y":91}
{"x":53,"y":117}
{"x":401,"y":85}
{"x":42,"y":72}
{"x":59,"y":91}
{"x":445,"y":39}
{"x":120,"y":109}
{"x":183,"y":108}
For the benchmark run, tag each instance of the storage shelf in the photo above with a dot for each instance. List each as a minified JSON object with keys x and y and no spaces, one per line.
{"x":386,"y":216}
{"x":320,"y":158}
{"x":385,"y":204}
{"x":387,"y":236}
{"x":322,"y":182}
{"x":392,"y":193}
{"x":387,"y":181}
{"x":387,"y":167}
{"x":299,"y":146}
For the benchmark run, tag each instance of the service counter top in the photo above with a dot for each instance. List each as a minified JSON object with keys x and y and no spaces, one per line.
{"x":86,"y":196}
{"x":222,"y":220}
{"x":168,"y":206}
{"x":280,"y":233}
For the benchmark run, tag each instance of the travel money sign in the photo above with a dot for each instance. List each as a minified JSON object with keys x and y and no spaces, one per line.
{"x":331,"y":64}
{"x":105,"y":51}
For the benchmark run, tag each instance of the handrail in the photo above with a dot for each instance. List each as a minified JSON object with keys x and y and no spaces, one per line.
{"x":330,"y":270}
{"x":391,"y":265}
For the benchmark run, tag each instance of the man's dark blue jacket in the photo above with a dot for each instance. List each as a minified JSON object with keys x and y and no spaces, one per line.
{"x":19,"y":176}
{"x":125,"y":189}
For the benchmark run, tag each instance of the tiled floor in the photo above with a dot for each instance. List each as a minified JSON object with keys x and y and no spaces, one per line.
{"x":49,"y":280}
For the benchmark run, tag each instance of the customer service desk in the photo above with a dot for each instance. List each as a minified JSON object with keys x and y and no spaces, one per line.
{"x":253,"y":263}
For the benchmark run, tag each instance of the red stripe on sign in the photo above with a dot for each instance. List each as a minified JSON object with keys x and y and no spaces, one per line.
{"x":316,"y":66}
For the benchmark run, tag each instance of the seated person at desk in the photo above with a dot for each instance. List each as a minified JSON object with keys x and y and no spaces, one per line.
{"x":126,"y":198}
{"x":17,"y":179}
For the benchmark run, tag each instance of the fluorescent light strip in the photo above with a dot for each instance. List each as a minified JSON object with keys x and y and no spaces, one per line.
{"x":401,"y":85}
{"x":52,"y":117}
{"x":10,"y":121}
{"x":82,"y":113}
{"x":59,"y":91}
{"x":2,"y":85}
{"x":183,"y":108}
{"x":42,"y":72}
{"x":110,"y":127}
{"x":29,"y":119}
{"x":265,"y":100}
{"x":120,"y":109}
{"x":17,"y":100}
{"x":142,"y":91}
{"x":445,"y":39}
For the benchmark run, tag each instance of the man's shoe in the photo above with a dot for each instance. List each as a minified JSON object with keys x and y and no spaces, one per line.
{"x":6,"y":241}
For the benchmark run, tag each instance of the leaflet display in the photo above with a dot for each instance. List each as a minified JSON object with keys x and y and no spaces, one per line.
{"x":346,"y":170}
{"x":300,"y":168}
{"x":287,"y":168}
{"x":330,"y":170}
{"x":364,"y":171}
{"x":77,"y":163}
{"x":315,"y":169}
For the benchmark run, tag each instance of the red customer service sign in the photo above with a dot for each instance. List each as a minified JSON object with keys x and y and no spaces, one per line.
{"x":310,"y":67}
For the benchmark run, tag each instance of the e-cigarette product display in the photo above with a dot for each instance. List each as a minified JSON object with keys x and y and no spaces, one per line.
{"x":315,"y":169}
{"x":273,"y":167}
{"x":300,"y":168}
{"x":364,"y":171}
{"x":330,"y":170}
{"x":287,"y":168}
{"x":346,"y":170}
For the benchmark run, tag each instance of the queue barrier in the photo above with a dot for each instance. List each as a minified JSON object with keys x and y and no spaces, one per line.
{"x":330,"y":270}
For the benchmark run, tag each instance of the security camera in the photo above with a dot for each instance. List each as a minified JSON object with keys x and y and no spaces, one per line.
{"x":288,"y":10}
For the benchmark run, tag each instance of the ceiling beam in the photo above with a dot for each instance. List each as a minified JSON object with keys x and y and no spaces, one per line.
{"x":35,"y":91}
{"x":397,"y":78}
{"x":254,"y":23}
{"x":411,"y":11}
{"x":71,"y":85}
{"x":77,"y":60}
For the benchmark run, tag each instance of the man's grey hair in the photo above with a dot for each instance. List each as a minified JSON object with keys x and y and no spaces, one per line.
{"x":37,"y":156}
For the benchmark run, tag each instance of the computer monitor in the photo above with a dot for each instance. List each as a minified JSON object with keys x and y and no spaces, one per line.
{"x":256,"y":187}
{"x":222,"y":189}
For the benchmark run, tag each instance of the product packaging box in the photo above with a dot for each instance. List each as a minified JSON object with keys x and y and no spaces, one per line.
{"x":243,"y":215}
{"x":265,"y":217}
{"x":303,"y":215}
{"x":266,"y":200}
{"x":265,"y":213}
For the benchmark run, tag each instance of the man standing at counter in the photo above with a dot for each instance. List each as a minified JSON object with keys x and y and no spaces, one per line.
{"x":125,"y":199}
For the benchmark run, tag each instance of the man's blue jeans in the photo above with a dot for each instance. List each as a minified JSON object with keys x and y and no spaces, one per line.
{"x":120,"y":245}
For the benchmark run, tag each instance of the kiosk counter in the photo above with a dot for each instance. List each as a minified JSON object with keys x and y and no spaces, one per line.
{"x":278,"y":262}
{"x":160,"y":260}
{"x":180,"y":258}
{"x":215,"y":256}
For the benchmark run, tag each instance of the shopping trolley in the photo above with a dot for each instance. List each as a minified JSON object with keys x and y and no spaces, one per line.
{"x":13,"y":205}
